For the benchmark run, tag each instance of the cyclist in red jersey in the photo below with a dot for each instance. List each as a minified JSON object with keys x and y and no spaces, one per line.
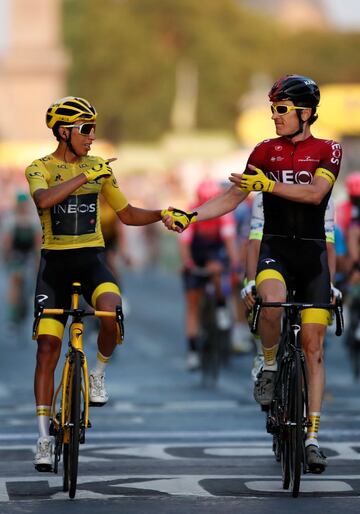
{"x":348,"y":218}
{"x":296,"y":172}
{"x":209,"y":245}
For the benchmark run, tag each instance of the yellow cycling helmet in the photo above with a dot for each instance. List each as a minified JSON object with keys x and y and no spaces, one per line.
{"x":69,"y":109}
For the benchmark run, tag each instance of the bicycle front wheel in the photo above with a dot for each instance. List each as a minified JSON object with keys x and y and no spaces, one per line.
{"x":71,"y":454}
{"x":281,"y":407}
{"x":296,"y":436}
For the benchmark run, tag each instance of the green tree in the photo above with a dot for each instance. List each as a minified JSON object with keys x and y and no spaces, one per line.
{"x":125,"y":54}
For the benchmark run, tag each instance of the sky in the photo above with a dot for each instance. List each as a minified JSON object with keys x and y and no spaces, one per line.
{"x":345,"y":14}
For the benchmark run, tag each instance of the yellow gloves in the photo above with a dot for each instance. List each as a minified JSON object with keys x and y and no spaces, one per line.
{"x":98,"y":171}
{"x":256,"y":181}
{"x":180,"y":218}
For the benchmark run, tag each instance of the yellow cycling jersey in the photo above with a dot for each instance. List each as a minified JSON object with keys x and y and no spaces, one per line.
{"x":75,"y":222}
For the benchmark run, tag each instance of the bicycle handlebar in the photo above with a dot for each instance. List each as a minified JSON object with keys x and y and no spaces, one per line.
{"x":80,"y":313}
{"x":298,"y":306}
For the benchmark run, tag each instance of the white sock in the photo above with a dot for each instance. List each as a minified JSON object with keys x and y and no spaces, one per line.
{"x":310,"y":441}
{"x":270,"y":367}
{"x":100,"y":365}
{"x":43,"y":416}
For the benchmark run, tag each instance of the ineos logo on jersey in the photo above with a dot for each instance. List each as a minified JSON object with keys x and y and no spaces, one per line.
{"x":336,"y":153}
{"x":75,"y":216}
{"x":72,"y":208}
{"x":291,"y":177}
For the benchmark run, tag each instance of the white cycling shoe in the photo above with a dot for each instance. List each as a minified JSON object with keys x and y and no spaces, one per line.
{"x":44,"y":457}
{"x":257,"y":366}
{"x":193,"y":361}
{"x":98,"y":395}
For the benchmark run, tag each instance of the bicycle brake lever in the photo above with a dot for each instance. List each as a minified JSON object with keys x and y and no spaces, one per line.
{"x":255,"y":320}
{"x":339,"y":318}
{"x":120,"y":321}
{"x":38,"y":313}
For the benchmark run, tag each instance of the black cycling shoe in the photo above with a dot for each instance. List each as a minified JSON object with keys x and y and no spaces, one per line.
{"x":316,"y":460}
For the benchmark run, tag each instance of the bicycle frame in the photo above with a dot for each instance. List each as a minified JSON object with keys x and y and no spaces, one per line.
{"x":75,"y":344}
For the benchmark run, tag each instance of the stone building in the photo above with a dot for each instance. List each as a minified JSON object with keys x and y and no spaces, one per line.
{"x":33,"y":67}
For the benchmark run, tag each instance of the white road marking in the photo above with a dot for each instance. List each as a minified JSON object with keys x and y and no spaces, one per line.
{"x":178,"y":485}
{"x":154,"y":451}
{"x":306,"y":486}
{"x":240,"y":452}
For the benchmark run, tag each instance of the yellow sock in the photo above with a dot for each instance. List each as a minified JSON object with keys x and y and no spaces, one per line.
{"x":312,"y":431}
{"x":270,"y":356}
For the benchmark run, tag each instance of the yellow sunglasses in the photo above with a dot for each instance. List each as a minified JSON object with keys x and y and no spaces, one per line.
{"x":284,"y":109}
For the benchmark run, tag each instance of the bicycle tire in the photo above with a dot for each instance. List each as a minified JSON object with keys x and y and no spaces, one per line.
{"x":225,"y":347}
{"x":210,"y":360}
{"x":296,"y":411}
{"x":282,"y":421}
{"x":74,"y":442}
{"x":66,"y":467}
{"x":210,"y":352}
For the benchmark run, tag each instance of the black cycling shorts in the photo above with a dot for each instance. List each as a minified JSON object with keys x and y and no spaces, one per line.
{"x":303,"y":263}
{"x":203,"y":252}
{"x":57,"y":272}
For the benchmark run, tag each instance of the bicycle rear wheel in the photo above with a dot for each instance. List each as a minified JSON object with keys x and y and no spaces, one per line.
{"x":296,"y":411}
{"x":210,"y":350}
{"x":71,"y":450}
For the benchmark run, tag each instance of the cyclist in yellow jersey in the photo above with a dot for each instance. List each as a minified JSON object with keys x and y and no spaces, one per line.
{"x":65,"y":187}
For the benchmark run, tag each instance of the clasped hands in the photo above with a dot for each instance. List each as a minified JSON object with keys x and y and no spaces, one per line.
{"x":176,"y":219}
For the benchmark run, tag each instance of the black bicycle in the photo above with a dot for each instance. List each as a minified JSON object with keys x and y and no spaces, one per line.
{"x":215,"y":333}
{"x":288,"y":414}
{"x":352,"y":334}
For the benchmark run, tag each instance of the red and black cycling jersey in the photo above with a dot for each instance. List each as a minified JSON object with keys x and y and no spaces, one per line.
{"x":296,"y":163}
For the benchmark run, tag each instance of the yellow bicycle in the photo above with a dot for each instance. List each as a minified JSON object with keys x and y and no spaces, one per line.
{"x":70,"y":419}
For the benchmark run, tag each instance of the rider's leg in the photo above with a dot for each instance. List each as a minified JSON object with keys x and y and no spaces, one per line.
{"x":47,"y":357}
{"x":108,"y":334}
{"x":312,"y":340}
{"x":192,"y":312}
{"x":107,"y":339}
{"x":270,"y":290}
{"x":14,"y":291}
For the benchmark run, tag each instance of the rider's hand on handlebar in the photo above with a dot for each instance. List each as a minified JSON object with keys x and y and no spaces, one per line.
{"x":247,"y":294}
{"x":336,"y":294}
{"x":176,"y":219}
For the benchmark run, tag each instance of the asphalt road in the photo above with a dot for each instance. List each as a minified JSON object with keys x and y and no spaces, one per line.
{"x":163,"y":443}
